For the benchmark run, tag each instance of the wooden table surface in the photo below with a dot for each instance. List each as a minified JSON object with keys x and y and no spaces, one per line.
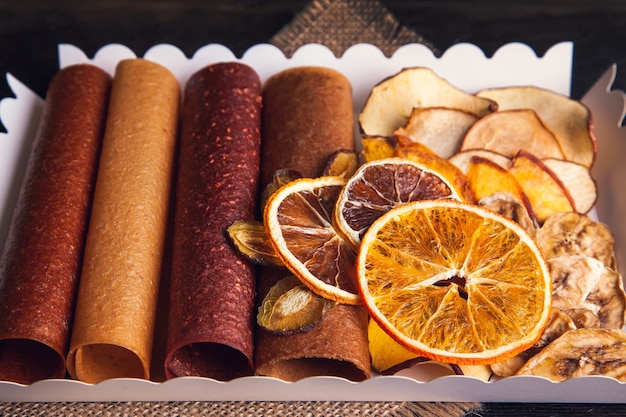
{"x":31,"y":29}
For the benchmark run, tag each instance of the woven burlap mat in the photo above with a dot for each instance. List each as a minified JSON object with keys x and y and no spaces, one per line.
{"x":235,"y":408}
{"x":336,"y":24}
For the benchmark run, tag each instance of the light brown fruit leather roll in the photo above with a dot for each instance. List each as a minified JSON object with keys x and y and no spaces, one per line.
{"x":307,"y":115}
{"x":115,"y":314}
{"x":211,"y":321}
{"x":40,"y":266}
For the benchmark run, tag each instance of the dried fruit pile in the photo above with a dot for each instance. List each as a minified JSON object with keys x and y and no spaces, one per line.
{"x":463,"y":227}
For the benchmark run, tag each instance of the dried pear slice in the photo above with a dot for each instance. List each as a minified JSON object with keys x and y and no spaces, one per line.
{"x":507,"y":132}
{"x":577,"y":179}
{"x":581,"y":352}
{"x":250,"y":239}
{"x":568,"y":119}
{"x":290,"y":307}
{"x":391,"y":101}
{"x":441,"y":129}
{"x":342,"y":163}
{"x":576,"y":234}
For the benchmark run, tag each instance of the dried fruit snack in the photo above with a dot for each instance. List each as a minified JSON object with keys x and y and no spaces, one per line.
{"x":298,"y":220}
{"x":381,"y":185}
{"x":454,"y":282}
{"x":114,"y":323}
{"x":212,"y":289}
{"x":40,"y":266}
{"x":307,"y":117}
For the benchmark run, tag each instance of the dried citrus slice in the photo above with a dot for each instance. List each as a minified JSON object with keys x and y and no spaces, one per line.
{"x":298,"y":219}
{"x":454,"y":282}
{"x":382,"y":184}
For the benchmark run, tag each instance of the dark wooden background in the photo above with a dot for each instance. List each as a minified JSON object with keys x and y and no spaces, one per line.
{"x":31,"y":29}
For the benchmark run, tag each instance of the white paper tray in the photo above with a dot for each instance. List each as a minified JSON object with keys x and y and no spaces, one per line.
{"x":465,"y":66}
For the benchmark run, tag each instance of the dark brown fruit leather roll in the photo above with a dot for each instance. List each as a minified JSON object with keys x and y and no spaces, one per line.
{"x":40,"y":266}
{"x":307,"y":116}
{"x":211,"y":321}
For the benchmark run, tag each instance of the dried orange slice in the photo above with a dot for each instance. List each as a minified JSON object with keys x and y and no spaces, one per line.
{"x":382,"y":184}
{"x":298,"y":219}
{"x":454,"y":282}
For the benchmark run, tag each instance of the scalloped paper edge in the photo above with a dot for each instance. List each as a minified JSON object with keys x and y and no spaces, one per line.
{"x":464,"y":65}
{"x":592,"y":389}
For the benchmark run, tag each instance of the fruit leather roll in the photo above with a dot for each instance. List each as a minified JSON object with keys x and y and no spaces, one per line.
{"x":211,"y":322}
{"x":115,"y":314}
{"x":41,"y":261}
{"x":307,"y":116}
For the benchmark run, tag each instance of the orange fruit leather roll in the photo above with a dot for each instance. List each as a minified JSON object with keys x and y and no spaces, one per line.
{"x":114,"y":323}
{"x":41,"y":261}
{"x":308,"y":115}
{"x":212,"y":292}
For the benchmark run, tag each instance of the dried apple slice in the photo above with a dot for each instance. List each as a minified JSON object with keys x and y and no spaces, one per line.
{"x":546,"y":192}
{"x":578,"y":181}
{"x":441,"y":129}
{"x":569,"y":119}
{"x":507,"y":132}
{"x":392,"y":100}
{"x":462,"y":159}
{"x":486,"y":178}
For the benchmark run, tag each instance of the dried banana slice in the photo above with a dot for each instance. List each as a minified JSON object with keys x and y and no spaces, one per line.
{"x":573,"y":233}
{"x":581,"y":352}
{"x":558,"y":324}
{"x":509,"y":206}
{"x":585,"y":294}
{"x":587,"y":291}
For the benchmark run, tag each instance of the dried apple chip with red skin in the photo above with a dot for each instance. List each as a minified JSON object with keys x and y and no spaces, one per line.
{"x":391,"y":101}
{"x":442,"y":129}
{"x":546,"y":192}
{"x":577,"y":180}
{"x":507,"y":132}
{"x":462,"y":159}
{"x":569,"y":119}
